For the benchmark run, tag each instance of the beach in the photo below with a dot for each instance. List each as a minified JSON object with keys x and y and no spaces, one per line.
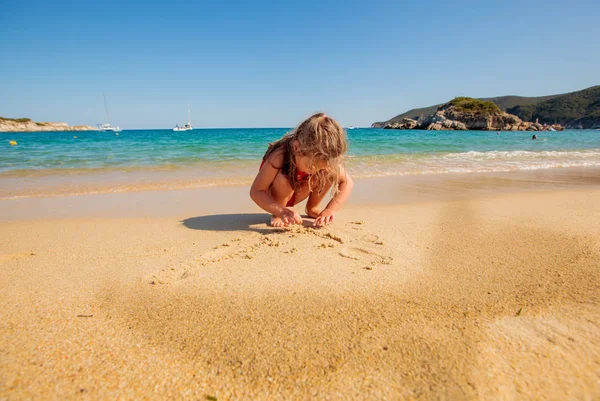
{"x":146,"y":152}
{"x":445,"y":286}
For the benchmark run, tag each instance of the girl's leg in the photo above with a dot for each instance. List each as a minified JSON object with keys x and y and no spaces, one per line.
{"x":314,"y":199}
{"x":281,"y":190}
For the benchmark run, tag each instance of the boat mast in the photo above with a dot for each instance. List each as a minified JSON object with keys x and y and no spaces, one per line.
{"x":189,"y":121}
{"x":106,"y":108}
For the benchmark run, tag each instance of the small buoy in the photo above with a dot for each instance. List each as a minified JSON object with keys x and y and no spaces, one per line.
{"x":12,"y":143}
{"x":117,"y":134}
{"x":75,"y":137}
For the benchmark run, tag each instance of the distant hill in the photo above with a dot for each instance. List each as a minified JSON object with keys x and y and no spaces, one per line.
{"x":575,"y":109}
{"x":566,"y":108}
{"x":413,"y":114}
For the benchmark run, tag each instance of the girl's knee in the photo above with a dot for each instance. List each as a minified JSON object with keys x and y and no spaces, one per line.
{"x":281,"y":190}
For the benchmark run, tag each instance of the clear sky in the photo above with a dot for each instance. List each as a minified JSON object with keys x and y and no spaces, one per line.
{"x":270,"y":64}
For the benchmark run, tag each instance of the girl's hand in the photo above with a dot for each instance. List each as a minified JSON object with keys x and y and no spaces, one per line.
{"x":325,"y":217}
{"x":290,"y":216}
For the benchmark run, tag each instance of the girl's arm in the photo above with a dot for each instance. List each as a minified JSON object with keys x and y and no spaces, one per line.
{"x":345,"y":186}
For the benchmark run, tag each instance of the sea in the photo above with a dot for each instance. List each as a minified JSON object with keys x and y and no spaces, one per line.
{"x":67,"y":163}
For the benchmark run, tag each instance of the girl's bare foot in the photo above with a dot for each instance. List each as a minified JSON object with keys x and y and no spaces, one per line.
{"x":276,"y":222}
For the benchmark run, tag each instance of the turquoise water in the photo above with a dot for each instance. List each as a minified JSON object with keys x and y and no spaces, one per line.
{"x":213,"y":155}
{"x":152,"y":148}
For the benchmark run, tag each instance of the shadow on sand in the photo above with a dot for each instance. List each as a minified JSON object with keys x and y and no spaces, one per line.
{"x":229,"y":222}
{"x":236,"y":222}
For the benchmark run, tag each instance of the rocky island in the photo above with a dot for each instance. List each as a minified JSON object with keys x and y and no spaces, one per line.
{"x":28,"y":125}
{"x":575,"y":110}
{"x":465,"y":113}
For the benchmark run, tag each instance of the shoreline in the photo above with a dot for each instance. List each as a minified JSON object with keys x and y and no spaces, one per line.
{"x":274,"y":128}
{"x":43,"y":184}
{"x":368,"y":191}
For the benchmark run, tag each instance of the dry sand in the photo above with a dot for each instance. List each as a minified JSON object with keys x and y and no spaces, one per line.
{"x":463,"y":292}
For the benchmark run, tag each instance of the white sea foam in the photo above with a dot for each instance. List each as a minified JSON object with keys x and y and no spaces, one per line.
{"x":471,"y":162}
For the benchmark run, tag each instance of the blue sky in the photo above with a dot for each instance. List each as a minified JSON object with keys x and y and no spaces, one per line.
{"x":270,"y":64}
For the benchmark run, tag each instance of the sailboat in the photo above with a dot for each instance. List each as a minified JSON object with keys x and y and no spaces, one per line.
{"x":107,"y":127}
{"x":188,"y":126}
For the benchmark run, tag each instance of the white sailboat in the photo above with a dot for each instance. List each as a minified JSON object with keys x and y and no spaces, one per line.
{"x":107,"y":127}
{"x":188,"y":126}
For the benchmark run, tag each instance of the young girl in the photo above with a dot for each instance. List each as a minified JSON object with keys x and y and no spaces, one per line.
{"x":306,"y":162}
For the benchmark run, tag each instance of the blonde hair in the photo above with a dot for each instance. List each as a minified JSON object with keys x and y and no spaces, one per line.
{"x":322,"y":139}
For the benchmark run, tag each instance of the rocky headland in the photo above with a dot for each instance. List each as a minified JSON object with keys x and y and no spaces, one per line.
{"x":28,"y":125}
{"x":465,"y":113}
{"x":574,"y":110}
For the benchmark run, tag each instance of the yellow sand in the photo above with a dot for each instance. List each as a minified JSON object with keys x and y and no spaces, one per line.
{"x":479,"y":297}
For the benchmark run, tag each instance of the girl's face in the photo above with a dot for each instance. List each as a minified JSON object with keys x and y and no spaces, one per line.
{"x":304,"y":163}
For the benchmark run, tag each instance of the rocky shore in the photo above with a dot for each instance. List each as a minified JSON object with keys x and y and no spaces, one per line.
{"x":28,"y":125}
{"x":589,"y":122}
{"x":470,"y":114}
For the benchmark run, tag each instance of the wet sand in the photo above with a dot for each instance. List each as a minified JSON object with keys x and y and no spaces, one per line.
{"x":441,"y":287}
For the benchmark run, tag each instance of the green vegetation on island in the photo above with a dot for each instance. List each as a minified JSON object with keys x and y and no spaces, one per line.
{"x":17,"y":120}
{"x":474,"y":106}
